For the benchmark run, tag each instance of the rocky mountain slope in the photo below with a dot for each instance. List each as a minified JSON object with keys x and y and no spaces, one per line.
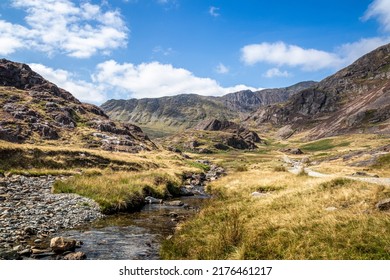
{"x":166,"y":115}
{"x":34,"y":110}
{"x":354,"y":100}
{"x":213,"y":135}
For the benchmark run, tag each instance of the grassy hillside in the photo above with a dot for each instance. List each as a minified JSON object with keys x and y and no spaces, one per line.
{"x":292,"y":216}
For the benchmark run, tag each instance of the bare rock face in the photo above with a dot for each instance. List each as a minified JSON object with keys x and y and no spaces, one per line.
{"x":34,"y":109}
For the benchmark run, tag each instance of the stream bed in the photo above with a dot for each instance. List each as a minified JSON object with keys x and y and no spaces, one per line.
{"x":134,"y":236}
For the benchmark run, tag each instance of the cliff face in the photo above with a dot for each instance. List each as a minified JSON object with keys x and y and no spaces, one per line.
{"x":355,"y":99}
{"x":34,"y":110}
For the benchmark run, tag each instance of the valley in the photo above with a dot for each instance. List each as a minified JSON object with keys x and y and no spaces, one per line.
{"x":301,"y":172}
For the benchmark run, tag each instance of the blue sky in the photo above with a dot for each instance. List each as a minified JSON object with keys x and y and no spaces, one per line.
{"x":100,"y":50}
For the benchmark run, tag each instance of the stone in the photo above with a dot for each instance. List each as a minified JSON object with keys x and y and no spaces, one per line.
{"x":259,"y":194}
{"x":75,"y":256}
{"x":152,"y":200}
{"x":61,"y":244}
{"x":383,"y":205}
{"x":176,"y":203}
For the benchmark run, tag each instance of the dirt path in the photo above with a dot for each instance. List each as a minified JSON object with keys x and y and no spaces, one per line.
{"x":298,"y":167}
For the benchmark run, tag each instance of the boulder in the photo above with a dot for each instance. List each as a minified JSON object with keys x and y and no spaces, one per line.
{"x":61,"y":244}
{"x":383,"y":205}
{"x":75,"y":256}
{"x":152,"y":200}
{"x":176,"y":203}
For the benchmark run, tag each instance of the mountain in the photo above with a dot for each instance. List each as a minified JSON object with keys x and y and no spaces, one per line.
{"x":34,"y":110}
{"x":248,"y":101}
{"x":167,"y":115}
{"x":354,"y":100}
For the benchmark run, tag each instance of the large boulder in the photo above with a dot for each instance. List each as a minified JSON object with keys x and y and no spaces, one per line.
{"x":61,"y":244}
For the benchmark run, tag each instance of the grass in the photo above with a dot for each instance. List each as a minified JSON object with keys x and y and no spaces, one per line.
{"x":323,"y":145}
{"x":291,"y":222}
{"x":120,"y":191}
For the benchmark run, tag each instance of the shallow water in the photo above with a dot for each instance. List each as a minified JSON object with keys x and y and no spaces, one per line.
{"x":133,"y":236}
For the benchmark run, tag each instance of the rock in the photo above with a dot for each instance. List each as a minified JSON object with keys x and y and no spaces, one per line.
{"x":152,"y":200}
{"x":17,"y":248}
{"x":176,"y":203}
{"x":25,"y":252}
{"x":30,"y":230}
{"x":330,"y":209}
{"x":75,"y":256}
{"x":293,"y":151}
{"x":259,"y":194}
{"x":61,"y":244}
{"x":40,"y":251}
{"x":383,"y":205}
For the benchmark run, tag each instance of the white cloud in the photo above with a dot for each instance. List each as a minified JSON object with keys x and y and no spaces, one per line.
{"x":282,"y":54}
{"x":62,"y":26}
{"x":352,"y":51}
{"x":275,"y":72}
{"x":381,"y":10}
{"x":221,"y":69}
{"x":82,"y":90}
{"x":134,"y":81}
{"x":213,"y":11}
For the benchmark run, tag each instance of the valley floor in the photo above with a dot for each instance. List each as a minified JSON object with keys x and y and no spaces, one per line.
{"x":258,"y":210}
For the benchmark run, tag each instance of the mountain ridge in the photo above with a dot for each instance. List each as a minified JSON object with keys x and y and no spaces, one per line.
{"x":187,"y":110}
{"x":354,"y":99}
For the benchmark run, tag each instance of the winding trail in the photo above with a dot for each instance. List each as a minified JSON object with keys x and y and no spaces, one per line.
{"x":297,"y":167}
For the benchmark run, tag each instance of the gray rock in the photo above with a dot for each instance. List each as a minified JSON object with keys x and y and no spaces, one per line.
{"x":152,"y":200}
{"x":383,"y":205}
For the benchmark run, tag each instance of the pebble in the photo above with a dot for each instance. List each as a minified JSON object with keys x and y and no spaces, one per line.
{"x":30,"y":210}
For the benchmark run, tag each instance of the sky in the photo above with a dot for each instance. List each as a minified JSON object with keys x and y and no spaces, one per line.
{"x":121,"y":49}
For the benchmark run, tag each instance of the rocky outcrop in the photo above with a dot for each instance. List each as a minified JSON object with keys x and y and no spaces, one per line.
{"x":354,"y":100}
{"x":33,"y":109}
{"x":234,"y":136}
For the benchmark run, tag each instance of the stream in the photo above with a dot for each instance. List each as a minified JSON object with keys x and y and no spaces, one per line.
{"x":133,"y":236}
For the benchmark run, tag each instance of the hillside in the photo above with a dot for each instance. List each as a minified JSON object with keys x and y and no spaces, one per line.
{"x":34,"y":110}
{"x":167,"y":115}
{"x":354,"y":100}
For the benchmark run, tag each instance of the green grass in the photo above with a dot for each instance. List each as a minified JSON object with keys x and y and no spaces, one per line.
{"x":120,"y":191}
{"x":382,"y":162}
{"x":323,"y":145}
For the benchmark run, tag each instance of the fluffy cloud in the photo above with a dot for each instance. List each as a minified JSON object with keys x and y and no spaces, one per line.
{"x":282,"y":54}
{"x":275,"y":72}
{"x":62,"y":26}
{"x":82,"y":90}
{"x":381,"y":10}
{"x":154,"y":80}
{"x":134,"y":81}
{"x":221,"y":69}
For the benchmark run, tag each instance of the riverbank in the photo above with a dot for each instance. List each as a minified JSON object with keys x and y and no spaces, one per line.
{"x":29,"y":212}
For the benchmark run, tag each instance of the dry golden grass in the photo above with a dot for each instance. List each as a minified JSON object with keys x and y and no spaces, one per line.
{"x":297,"y":218}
